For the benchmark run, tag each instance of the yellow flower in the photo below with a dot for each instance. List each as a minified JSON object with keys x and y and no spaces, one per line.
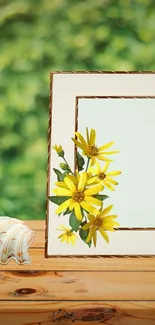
{"x":80,"y":195}
{"x":59,"y":150}
{"x":103,"y":177}
{"x":89,"y":147}
{"x":68,"y":236}
{"x":100,"y":223}
{"x":91,"y":180}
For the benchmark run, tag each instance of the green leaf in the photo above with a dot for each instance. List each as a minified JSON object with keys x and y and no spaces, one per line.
{"x":58,"y":199}
{"x":80,"y":161}
{"x":101,"y":197}
{"x":68,"y":211}
{"x":65,"y":174}
{"x":83,"y":235}
{"x":74,"y":222}
{"x":59,"y":175}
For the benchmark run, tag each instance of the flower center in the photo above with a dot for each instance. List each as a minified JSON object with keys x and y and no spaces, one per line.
{"x":101,"y":175}
{"x":68,"y":233}
{"x":78,"y":196}
{"x":98,"y":222}
{"x":93,"y":150}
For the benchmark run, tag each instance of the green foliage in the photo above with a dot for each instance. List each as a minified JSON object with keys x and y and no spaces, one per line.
{"x":58,"y":199}
{"x":83,"y":235}
{"x":60,"y":176}
{"x":37,"y":37}
{"x":74,"y":222}
{"x":80,"y":161}
{"x":101,"y":197}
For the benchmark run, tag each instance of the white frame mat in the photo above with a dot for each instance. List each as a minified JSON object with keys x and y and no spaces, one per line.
{"x":66,"y":89}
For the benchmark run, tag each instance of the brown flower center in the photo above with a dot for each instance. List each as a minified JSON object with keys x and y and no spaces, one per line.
{"x":101,"y":175}
{"x":68,"y":233}
{"x":78,"y":196}
{"x":98,"y":222}
{"x":93,"y":150}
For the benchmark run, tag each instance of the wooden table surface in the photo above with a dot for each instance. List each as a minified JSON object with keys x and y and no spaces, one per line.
{"x":56,"y":291}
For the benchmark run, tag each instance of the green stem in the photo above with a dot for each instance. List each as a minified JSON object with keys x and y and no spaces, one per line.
{"x":87,"y":164}
{"x":68,"y":165}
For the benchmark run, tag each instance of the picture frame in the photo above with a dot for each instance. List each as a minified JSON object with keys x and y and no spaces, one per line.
{"x":67,"y":89}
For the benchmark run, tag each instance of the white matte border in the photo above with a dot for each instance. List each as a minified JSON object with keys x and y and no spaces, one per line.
{"x":65,"y":88}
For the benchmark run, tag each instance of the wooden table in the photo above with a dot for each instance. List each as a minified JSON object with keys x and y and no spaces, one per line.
{"x":108,"y":291}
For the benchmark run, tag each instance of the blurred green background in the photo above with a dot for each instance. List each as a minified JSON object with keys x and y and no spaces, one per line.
{"x":39,"y":36}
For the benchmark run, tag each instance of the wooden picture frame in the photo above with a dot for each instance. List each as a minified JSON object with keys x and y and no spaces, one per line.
{"x":65,"y":93}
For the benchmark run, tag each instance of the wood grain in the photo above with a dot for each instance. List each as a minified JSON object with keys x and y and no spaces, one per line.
{"x":39,"y":262}
{"x":82,"y":313}
{"x":48,"y":285}
{"x":111,"y":291}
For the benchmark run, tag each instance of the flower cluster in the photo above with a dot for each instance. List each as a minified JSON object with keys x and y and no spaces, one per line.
{"x":79,"y":194}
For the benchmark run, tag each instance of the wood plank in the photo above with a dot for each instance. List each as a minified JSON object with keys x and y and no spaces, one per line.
{"x":82,"y":313}
{"x":39,"y":239}
{"x":35,"y":224}
{"x":47,"y":285}
{"x":39,"y":262}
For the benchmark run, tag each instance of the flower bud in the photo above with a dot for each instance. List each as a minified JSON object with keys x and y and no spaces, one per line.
{"x":64,"y":166}
{"x":59,"y":150}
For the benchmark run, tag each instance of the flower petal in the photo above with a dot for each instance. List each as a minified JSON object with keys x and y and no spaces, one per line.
{"x":62,"y":228}
{"x":62,"y":207}
{"x":62,"y":192}
{"x":98,"y":168}
{"x":93,"y":200}
{"x":79,"y":144}
{"x":81,"y":138}
{"x":71,"y":207}
{"x":109,"y":186}
{"x":87,"y":134}
{"x":86,"y":206}
{"x":91,"y":217}
{"x":92,"y":180}
{"x":60,"y":236}
{"x":112,"y":181}
{"x":106,"y":166}
{"x":110,"y":217}
{"x":70,"y":184}
{"x":87,"y":226}
{"x":89,"y":236}
{"x":61,"y":184}
{"x":77,"y":210}
{"x":92,"y":161}
{"x":104,"y":234}
{"x":100,"y":157}
{"x":92,"y":137}
{"x":109,"y":225}
{"x":106,"y":211}
{"x":94,"y":231}
{"x":114,"y":173}
{"x":106,"y":146}
{"x":110,"y":152}
{"x":63,"y":238}
{"x":73,"y":179}
{"x":82,"y":181}
{"x":93,"y":190}
{"x":73,"y":239}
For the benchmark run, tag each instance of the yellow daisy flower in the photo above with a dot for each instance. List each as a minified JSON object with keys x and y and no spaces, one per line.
{"x":103,"y":177}
{"x":89,"y":147}
{"x":59,"y":150}
{"x":80,"y":195}
{"x":91,"y":180}
{"x":101,"y":223}
{"x":68,"y":236}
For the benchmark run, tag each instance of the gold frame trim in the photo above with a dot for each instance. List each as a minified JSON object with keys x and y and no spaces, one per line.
{"x":76,"y":126}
